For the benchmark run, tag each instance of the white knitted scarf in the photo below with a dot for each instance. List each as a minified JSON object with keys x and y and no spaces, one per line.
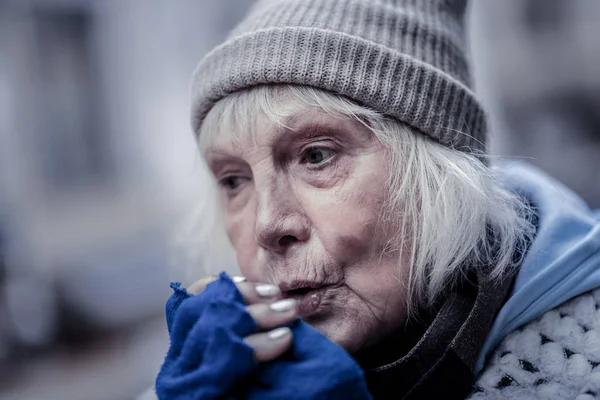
{"x":556,"y":356}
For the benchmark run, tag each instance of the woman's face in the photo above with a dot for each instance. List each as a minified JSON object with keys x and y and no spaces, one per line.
{"x":302,"y":202}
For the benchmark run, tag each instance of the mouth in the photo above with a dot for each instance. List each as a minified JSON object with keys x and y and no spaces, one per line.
{"x":308,"y":294}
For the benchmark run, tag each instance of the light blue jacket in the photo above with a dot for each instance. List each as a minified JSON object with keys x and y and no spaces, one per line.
{"x":562,"y":262}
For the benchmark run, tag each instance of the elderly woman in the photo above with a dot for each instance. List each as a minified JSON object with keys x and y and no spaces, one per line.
{"x":382,"y":253}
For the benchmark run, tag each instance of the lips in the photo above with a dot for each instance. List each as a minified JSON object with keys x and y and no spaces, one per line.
{"x":308,"y":294}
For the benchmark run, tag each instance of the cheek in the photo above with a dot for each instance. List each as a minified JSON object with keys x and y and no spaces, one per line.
{"x":347,"y":218}
{"x":240,"y":229}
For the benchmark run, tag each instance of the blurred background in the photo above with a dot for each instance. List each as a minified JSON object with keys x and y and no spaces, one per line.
{"x":98,"y":167}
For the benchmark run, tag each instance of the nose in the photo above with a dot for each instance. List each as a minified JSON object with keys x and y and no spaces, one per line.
{"x":280,"y":220}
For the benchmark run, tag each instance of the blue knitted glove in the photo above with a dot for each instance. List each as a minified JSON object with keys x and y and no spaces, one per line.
{"x":208,"y":358}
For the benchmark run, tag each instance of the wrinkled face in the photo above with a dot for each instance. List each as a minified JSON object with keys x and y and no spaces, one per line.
{"x":302,"y":202}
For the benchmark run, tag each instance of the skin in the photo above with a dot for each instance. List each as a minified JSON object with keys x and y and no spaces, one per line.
{"x":302,"y":202}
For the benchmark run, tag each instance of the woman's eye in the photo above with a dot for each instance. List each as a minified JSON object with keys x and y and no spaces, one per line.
{"x":316,"y":155}
{"x":231,"y":183}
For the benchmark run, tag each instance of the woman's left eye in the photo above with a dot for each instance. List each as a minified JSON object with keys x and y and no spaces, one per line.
{"x":317,"y":155}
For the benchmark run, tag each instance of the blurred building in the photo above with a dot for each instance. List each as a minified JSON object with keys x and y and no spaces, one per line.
{"x":537,"y":69}
{"x":97,"y":165}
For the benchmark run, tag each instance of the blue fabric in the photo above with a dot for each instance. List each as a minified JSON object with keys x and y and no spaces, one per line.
{"x":563,"y":260}
{"x":208,"y":358}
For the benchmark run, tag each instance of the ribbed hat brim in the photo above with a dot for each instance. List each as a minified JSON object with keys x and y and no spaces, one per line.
{"x":376,"y":76}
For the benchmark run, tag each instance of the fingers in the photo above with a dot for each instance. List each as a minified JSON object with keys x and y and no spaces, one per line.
{"x":199,"y":286}
{"x":258,"y":292}
{"x":270,"y":345}
{"x":252,"y":292}
{"x":269,"y":316}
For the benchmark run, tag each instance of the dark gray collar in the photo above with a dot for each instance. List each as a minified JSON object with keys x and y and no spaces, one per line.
{"x":441,"y":363}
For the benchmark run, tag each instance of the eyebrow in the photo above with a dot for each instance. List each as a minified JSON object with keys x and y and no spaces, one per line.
{"x":310,"y":127}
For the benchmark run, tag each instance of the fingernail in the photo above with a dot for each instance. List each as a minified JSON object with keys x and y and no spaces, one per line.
{"x":238,"y":279}
{"x":267,"y":290}
{"x":279,"y":333}
{"x":283,"y":305}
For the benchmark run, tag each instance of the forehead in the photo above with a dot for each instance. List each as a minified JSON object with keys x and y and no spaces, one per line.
{"x":244,"y":116}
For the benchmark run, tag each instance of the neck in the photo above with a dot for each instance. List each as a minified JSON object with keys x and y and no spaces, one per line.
{"x":397,"y":344}
{"x":436,"y":354}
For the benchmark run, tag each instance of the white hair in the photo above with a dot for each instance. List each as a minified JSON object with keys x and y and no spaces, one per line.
{"x":451,"y":213}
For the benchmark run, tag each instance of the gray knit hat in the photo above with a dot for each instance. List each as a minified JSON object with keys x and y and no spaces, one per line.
{"x":405,"y":58}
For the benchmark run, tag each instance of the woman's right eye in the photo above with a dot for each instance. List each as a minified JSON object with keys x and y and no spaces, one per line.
{"x":231,"y":183}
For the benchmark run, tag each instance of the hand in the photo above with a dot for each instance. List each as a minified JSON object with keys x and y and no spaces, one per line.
{"x":219,"y":348}
{"x":269,"y":311}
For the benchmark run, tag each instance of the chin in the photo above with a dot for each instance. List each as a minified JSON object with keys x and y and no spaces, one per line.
{"x":340,"y":332}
